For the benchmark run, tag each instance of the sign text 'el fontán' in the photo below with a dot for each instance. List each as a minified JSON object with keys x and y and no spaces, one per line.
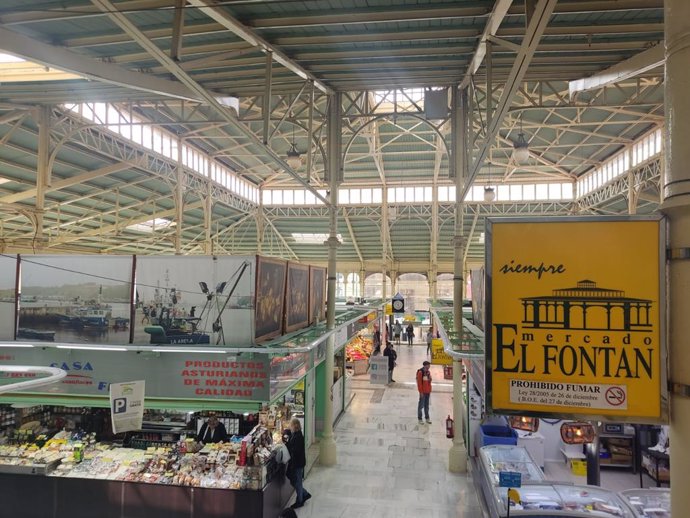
{"x":575,"y":318}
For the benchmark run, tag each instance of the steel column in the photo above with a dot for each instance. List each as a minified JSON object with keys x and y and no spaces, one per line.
{"x":179,"y":199}
{"x":457,"y":455}
{"x":42,"y":169}
{"x":266,"y":108}
{"x":676,"y":206}
{"x":327,"y":447}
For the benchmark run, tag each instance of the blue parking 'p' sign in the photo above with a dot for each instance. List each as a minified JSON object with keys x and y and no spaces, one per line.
{"x":510,"y":479}
{"x":119,"y":405}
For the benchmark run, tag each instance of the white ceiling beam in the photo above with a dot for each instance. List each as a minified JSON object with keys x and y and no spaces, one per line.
{"x":533,"y":34}
{"x":68,"y":182}
{"x":352,"y":236}
{"x":108,"y":229}
{"x":128,"y":27}
{"x":490,"y":29}
{"x":56,"y":57}
{"x":239,"y":29}
{"x":631,"y":67}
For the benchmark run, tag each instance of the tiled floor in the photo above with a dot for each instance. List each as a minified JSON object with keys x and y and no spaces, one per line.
{"x":389,"y":466}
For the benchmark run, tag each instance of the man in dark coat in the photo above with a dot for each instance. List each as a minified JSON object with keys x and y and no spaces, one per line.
{"x":392,"y":356}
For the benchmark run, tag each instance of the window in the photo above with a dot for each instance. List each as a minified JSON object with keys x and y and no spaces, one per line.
{"x":354,"y":196}
{"x":343,"y":196}
{"x":164,"y":143}
{"x":299,"y":197}
{"x":554,"y":191}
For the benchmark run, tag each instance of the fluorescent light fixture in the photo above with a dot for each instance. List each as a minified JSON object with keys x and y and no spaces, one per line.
{"x":214,"y":351}
{"x":312,"y":239}
{"x":92,"y":347}
{"x":9,"y":58}
{"x":18,"y":344}
{"x":152,"y":225}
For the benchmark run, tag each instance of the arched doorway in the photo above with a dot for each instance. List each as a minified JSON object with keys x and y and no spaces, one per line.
{"x":373,"y":286}
{"x":415,"y":288}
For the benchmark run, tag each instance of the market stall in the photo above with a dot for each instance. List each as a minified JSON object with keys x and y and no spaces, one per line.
{"x":66,"y":449}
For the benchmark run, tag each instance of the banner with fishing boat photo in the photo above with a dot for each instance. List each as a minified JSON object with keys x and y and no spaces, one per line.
{"x":74,"y":298}
{"x":8,"y":295}
{"x":194,"y":300}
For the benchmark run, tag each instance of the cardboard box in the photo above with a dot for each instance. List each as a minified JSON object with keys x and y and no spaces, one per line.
{"x":618,"y":450}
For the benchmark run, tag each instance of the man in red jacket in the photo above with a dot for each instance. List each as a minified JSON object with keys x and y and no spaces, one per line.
{"x":424,"y":388}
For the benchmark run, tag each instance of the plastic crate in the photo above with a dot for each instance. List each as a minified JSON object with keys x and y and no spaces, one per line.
{"x":495,"y":434}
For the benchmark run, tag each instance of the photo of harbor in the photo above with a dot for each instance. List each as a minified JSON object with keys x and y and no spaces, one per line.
{"x":8,"y":274}
{"x":75,"y":299}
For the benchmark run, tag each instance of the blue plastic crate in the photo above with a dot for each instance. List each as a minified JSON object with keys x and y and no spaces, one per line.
{"x":494,"y":434}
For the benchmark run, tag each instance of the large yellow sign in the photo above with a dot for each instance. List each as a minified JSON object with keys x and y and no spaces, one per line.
{"x":438,"y":355}
{"x":574,"y":318}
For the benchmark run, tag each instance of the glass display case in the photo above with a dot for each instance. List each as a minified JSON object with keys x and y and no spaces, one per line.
{"x":649,"y":503}
{"x":539,"y":498}
{"x":497,"y":458}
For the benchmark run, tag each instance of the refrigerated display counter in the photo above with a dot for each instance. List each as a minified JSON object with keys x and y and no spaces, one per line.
{"x":649,"y":503}
{"x":539,"y":498}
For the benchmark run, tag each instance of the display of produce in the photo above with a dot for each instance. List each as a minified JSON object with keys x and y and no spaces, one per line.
{"x":238,"y":464}
{"x":359,"y":348}
{"x":649,"y":503}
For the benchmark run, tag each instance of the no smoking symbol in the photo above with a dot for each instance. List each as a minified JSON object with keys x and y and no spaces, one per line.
{"x":615,"y":396}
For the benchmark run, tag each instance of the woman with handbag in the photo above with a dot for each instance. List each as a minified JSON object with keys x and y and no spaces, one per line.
{"x":297,"y":463}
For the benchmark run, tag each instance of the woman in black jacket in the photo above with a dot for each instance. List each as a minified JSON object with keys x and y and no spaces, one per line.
{"x":392,"y":356}
{"x":298,"y":461}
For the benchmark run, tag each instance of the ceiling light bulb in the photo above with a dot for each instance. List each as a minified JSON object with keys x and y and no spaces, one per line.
{"x":294,"y":159}
{"x":521,"y":149}
{"x":489,"y":194}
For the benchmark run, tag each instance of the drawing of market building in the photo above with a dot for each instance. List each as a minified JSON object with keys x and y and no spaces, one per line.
{"x":587,"y":307}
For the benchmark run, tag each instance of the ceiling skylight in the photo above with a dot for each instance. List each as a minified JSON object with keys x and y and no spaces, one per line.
{"x":14,"y":69}
{"x":151,"y":225}
{"x":311,"y":239}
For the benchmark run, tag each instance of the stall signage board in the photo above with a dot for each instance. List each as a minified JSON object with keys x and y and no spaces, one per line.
{"x":127,"y":406}
{"x":378,"y":370}
{"x":183,"y":375}
{"x":438,"y":355}
{"x":510,"y":479}
{"x":575,"y":318}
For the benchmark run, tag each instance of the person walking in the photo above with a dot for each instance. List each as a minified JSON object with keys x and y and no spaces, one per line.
{"x":424,"y":389}
{"x":297,"y":463}
{"x":410,"y":334}
{"x":429,"y":339}
{"x":377,"y":341}
{"x":397,"y":331}
{"x":392,"y":356}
